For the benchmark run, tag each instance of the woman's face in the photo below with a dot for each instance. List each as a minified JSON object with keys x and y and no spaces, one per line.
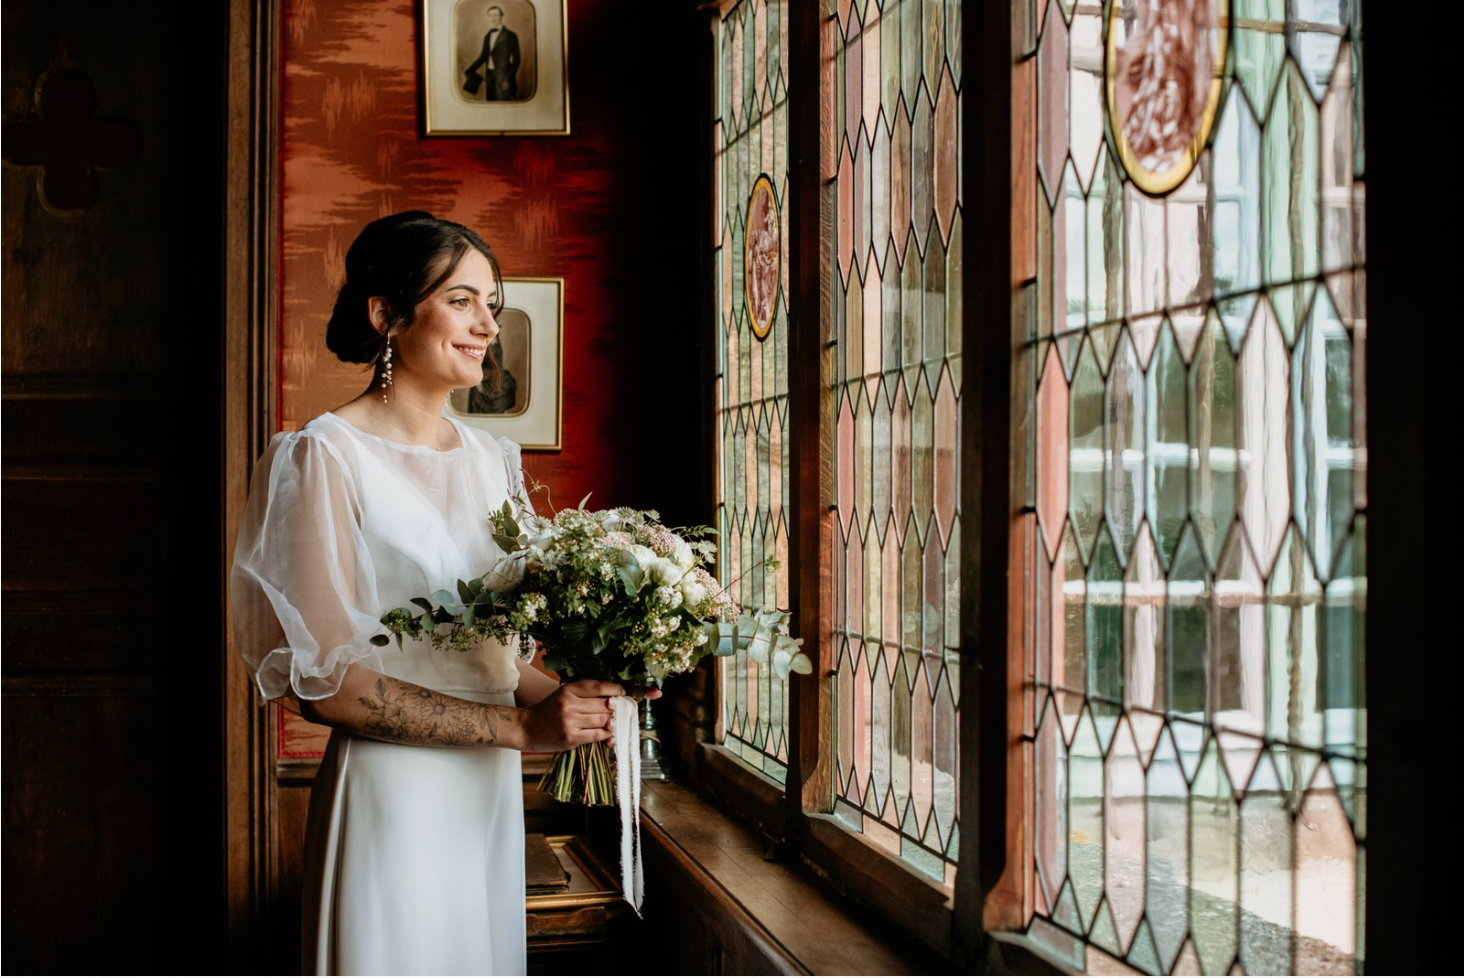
{"x":451,"y":329}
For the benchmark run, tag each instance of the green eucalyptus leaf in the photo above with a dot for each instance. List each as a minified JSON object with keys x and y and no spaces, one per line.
{"x":444,"y":597}
{"x":464,"y":595}
{"x":585,"y":500}
{"x":508,"y":544}
{"x":380,"y":640}
{"x":423,"y":603}
{"x":469,"y":615}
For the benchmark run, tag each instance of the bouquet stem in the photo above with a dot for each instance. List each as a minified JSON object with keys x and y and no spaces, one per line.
{"x":583,"y":775}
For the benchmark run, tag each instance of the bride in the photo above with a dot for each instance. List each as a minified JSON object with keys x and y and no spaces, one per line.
{"x":414,"y":858}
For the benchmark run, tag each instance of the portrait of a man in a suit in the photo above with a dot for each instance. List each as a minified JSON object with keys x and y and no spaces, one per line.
{"x":499,"y":62}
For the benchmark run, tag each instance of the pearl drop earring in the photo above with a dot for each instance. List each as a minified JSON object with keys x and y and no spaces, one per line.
{"x":386,"y":375}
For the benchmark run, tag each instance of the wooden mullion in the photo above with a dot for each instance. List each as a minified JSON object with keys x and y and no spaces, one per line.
{"x":987,"y":506}
{"x":810,"y":446}
{"x":1410,"y":537}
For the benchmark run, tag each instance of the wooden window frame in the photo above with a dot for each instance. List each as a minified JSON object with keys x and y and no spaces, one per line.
{"x":994,"y":886}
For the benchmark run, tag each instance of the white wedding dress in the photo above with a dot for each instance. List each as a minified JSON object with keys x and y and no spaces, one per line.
{"x":414,"y":859}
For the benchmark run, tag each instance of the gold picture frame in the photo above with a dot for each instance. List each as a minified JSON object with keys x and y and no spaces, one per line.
{"x":495,"y":67}
{"x":527,"y":403}
{"x":1152,"y":51}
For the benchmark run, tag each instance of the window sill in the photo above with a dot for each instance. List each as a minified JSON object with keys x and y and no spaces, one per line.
{"x":783,"y":912}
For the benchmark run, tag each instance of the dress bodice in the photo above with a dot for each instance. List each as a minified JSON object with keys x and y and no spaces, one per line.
{"x":341,"y":527}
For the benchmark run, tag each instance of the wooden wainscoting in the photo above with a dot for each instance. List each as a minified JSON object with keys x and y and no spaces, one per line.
{"x":112,"y":261}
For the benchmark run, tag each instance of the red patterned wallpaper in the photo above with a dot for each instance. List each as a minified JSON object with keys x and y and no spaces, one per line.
{"x":613,"y":208}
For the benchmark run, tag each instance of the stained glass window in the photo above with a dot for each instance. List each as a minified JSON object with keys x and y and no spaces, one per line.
{"x":895,"y":271}
{"x":750,"y":139}
{"x":1196,"y":528}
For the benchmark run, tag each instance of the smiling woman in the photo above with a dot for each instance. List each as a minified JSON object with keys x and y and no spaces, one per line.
{"x":419,"y":304}
{"x":364,"y":507}
{"x":452,"y":327}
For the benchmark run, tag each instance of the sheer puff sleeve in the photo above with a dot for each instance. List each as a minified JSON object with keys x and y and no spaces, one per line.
{"x":303,"y":589}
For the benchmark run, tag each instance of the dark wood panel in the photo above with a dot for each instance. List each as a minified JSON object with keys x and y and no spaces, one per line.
{"x":712,"y":934}
{"x":104,"y":631}
{"x":109,"y":339}
{"x":282,"y":923}
{"x":79,"y":419}
{"x":112,"y":290}
{"x":727,"y":903}
{"x":80,"y":826}
{"x":93,"y":532}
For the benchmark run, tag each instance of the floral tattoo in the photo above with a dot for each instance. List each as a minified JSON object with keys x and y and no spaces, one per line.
{"x":404,"y":713}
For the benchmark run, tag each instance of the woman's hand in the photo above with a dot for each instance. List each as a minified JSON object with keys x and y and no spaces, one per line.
{"x":575,"y":713}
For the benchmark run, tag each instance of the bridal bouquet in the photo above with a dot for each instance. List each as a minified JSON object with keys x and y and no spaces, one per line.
{"x":613,"y":595}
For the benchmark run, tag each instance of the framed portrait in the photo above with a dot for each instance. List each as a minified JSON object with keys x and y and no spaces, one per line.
{"x":521,"y":393}
{"x":495,"y":67}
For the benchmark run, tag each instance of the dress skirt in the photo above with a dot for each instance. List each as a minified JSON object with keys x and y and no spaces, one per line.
{"x":414,"y":860}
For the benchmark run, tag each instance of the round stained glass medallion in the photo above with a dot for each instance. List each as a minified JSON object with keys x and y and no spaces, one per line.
{"x":762,"y":256}
{"x":1163,"y":70}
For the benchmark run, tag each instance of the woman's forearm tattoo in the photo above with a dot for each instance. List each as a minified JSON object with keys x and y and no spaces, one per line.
{"x":403,"y":713}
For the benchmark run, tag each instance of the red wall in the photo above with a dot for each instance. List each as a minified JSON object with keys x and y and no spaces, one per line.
{"x":615,"y":208}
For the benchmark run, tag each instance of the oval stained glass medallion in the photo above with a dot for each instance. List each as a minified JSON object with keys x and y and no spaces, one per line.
{"x":1163,"y":69}
{"x":762,"y":255}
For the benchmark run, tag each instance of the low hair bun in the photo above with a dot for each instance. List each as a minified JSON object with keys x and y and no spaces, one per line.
{"x":349,"y":334}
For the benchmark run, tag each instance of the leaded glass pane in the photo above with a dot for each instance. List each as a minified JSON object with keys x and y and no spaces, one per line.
{"x":896,"y":394}
{"x":1199,"y":488}
{"x":751,"y":256}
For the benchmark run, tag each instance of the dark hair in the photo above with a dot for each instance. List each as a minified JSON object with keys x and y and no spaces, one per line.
{"x":402,"y":259}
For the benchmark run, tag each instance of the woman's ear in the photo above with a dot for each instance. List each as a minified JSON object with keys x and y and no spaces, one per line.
{"x":376,"y":312}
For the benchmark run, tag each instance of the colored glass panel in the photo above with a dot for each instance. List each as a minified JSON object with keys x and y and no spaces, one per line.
{"x":749,"y":140}
{"x":1197,"y":463}
{"x":896,"y":391}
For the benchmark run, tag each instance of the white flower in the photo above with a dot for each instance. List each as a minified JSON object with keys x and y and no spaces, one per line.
{"x":664,"y":571}
{"x":683,"y":555}
{"x":641,"y":554}
{"x":540,"y":532}
{"x":693,"y":592}
{"x":505,"y":575}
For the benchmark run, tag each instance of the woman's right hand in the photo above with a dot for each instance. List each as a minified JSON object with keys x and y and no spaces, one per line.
{"x":575,"y":713}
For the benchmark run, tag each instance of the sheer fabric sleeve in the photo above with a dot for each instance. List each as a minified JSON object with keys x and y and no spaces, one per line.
{"x":303,"y":588}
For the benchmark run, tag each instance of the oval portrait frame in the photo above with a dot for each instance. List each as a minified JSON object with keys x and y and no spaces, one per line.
{"x":1162,"y":180}
{"x":762,"y":191}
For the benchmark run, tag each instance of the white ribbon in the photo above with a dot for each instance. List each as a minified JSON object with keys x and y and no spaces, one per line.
{"x":627,"y":793}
